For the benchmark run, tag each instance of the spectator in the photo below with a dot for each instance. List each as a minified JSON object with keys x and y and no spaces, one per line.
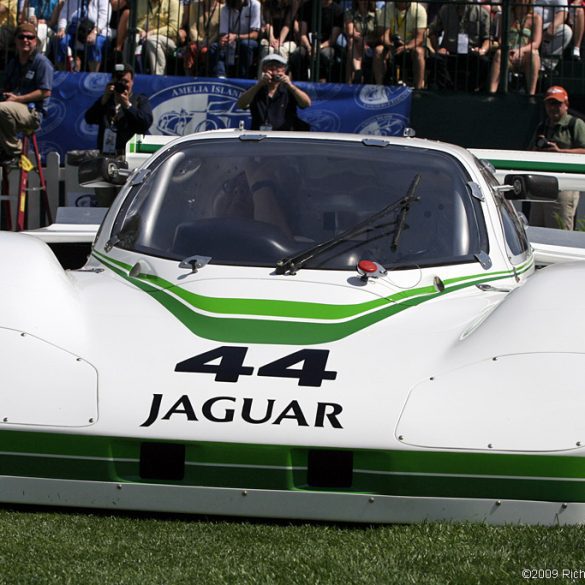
{"x":200,"y":27}
{"x":577,"y":21}
{"x":405,"y":24}
{"x":119,"y":26}
{"x":158,"y":27}
{"x":460,"y":37}
{"x":556,"y":34}
{"x":239,"y":28}
{"x":27,"y":88}
{"x":318,"y":43}
{"x":43,"y":14}
{"x":560,"y":132}
{"x":524,"y":37}
{"x":119,"y":114}
{"x":273,"y":100}
{"x":83,"y":28}
{"x":8,"y":16}
{"x":362,"y":31}
{"x":282,"y":25}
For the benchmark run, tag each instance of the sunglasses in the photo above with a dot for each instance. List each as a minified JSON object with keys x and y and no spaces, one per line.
{"x":26,"y":37}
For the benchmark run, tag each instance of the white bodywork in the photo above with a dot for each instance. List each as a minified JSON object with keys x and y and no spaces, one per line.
{"x":462,"y":404}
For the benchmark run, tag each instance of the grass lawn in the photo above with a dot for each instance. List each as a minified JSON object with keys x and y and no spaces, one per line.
{"x":40,"y":546}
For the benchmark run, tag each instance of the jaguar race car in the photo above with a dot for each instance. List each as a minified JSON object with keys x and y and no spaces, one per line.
{"x":307,"y":326}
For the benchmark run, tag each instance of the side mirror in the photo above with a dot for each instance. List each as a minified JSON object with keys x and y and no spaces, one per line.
{"x":103,"y":172}
{"x":537,"y":187}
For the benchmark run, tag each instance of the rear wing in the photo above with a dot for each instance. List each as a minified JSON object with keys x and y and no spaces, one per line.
{"x":569,"y":169}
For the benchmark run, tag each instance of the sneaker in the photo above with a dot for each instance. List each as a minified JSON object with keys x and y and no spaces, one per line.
{"x":549,"y":64}
{"x":10,"y":163}
{"x":577,"y":53}
{"x":9,"y":160}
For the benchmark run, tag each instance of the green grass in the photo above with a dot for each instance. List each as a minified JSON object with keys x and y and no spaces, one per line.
{"x":39,"y":546}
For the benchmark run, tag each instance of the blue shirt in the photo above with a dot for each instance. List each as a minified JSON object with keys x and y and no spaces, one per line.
{"x":43,"y":8}
{"x":36,"y":73}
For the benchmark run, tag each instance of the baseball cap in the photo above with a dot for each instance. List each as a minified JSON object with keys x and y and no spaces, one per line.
{"x":274,"y":58}
{"x":26,"y":27}
{"x":556,"y":92}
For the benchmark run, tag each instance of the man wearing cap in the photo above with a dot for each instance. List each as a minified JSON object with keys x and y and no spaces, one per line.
{"x":273,"y":100}
{"x":560,"y":132}
{"x":27,"y":88}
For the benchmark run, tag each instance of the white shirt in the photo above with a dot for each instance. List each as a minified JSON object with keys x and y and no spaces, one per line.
{"x":97,"y":10}
{"x":549,"y":9}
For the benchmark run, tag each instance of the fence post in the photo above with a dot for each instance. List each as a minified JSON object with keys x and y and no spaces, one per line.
{"x":505,"y":48}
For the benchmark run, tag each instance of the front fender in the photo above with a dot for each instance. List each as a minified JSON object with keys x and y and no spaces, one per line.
{"x":546,"y":314}
{"x":36,"y":295}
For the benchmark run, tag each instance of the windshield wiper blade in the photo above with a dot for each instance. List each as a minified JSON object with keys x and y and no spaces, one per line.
{"x":410,"y":197}
{"x":295,"y":263}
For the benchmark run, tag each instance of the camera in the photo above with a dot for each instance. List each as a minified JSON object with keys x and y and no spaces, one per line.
{"x":120,"y":87}
{"x":397,"y":41}
{"x":541,"y":142}
{"x":277,"y":77}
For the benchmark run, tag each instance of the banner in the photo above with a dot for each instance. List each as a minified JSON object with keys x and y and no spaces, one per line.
{"x":183,"y":105}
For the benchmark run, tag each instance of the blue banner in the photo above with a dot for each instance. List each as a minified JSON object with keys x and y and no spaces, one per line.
{"x":182,"y":105}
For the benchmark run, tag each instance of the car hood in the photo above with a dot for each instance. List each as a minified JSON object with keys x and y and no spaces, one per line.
{"x":238,"y":355}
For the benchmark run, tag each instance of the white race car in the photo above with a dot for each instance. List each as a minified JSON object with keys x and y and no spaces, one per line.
{"x":303,"y":326}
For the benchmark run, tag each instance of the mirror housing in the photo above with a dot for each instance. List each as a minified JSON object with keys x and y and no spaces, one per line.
{"x":534,"y":187}
{"x":103,"y":172}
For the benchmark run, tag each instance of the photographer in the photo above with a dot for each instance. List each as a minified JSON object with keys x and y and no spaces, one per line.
{"x":273,"y":100}
{"x":560,"y":132}
{"x":119,"y":114}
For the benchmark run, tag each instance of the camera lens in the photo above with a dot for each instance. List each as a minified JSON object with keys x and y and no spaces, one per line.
{"x":541,"y":142}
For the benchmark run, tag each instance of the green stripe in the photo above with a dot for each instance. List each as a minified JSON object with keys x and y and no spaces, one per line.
{"x":247,"y":330}
{"x":553,"y":167}
{"x":414,"y":473}
{"x":142,"y":148}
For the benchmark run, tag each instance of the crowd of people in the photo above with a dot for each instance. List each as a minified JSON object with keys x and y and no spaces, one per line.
{"x":467,"y":33}
{"x":451,"y":44}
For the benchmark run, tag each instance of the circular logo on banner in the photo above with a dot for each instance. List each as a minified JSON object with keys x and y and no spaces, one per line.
{"x":56,"y":112}
{"x":383,"y":125}
{"x":373,"y":97}
{"x":95,"y":82}
{"x":196,"y":107}
{"x":84,"y":129}
{"x":324,"y":91}
{"x":59,"y":77}
{"x":321,"y":120}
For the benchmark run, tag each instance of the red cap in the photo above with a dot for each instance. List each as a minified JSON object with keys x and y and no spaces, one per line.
{"x":556,"y":92}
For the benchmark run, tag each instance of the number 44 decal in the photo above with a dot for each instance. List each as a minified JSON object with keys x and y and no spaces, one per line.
{"x":231,"y":365}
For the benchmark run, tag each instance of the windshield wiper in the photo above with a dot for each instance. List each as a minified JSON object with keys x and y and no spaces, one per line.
{"x":295,"y":263}
{"x":410,"y":197}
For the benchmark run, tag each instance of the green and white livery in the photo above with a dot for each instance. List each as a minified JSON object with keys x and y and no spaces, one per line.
{"x":309,"y":326}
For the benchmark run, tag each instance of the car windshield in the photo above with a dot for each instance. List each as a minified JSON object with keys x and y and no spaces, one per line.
{"x":255,"y":203}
